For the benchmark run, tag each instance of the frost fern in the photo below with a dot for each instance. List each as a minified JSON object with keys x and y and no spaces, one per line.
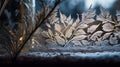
{"x":64,"y":30}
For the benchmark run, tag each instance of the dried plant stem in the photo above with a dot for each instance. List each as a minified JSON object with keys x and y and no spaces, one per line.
{"x":3,"y":6}
{"x":30,"y":35}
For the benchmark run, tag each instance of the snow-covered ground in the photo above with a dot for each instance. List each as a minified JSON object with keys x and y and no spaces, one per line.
{"x":97,"y":53}
{"x":84,"y":49}
{"x":76,"y":56}
{"x":89,"y":53}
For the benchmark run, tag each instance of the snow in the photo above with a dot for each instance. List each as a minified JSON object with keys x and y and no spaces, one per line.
{"x":77,"y":55}
{"x":94,"y":48}
{"x":80,"y":54}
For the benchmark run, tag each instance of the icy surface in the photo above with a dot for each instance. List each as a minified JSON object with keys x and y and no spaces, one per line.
{"x":53,"y":54}
{"x":84,"y":49}
{"x":77,"y":55}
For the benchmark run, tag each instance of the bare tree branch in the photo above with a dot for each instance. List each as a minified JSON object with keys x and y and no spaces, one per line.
{"x":30,"y":35}
{"x":3,"y":6}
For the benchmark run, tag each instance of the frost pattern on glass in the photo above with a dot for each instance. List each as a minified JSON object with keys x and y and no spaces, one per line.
{"x":64,"y":31}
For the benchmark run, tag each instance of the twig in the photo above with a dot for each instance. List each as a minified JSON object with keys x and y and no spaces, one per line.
{"x":3,"y":6}
{"x":27,"y":39}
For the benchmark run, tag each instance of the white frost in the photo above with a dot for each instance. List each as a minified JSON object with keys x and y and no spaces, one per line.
{"x":96,"y":55}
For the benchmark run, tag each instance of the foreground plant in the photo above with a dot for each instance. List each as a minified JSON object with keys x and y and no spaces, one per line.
{"x":28,"y":23}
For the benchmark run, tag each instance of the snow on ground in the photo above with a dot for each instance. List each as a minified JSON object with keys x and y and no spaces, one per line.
{"x":97,"y":53}
{"x":83,"y":49}
{"x":77,"y":55}
{"x":73,"y":54}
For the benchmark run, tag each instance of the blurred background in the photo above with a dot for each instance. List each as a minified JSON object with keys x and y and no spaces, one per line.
{"x":72,"y":7}
{"x":78,"y":6}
